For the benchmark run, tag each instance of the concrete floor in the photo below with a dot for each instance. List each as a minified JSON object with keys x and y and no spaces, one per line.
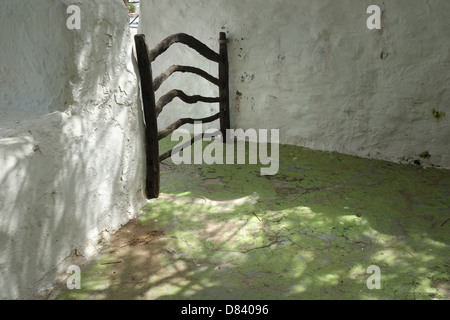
{"x":309,"y":232}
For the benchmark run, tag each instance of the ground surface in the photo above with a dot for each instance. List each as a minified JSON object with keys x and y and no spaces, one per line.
{"x":309,"y":232}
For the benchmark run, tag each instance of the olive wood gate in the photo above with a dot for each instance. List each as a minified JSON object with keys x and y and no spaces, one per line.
{"x":153,"y":108}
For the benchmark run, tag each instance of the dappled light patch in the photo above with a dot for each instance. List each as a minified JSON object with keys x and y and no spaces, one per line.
{"x":230,"y":233}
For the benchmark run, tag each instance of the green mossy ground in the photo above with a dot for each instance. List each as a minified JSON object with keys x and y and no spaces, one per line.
{"x":309,"y":232}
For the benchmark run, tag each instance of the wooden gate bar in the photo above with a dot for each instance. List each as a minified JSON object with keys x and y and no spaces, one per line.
{"x":151,"y":124}
{"x":167,"y":98}
{"x":181,"y":122}
{"x":163,"y":77}
{"x":188,"y":144}
{"x":186,"y":39}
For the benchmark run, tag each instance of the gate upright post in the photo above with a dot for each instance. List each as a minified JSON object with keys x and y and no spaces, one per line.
{"x":151,"y":123}
{"x":224,"y":87}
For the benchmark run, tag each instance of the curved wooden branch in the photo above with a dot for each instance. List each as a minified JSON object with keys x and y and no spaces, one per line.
{"x":164,"y":76}
{"x":168,"y":98}
{"x":181,"y":122}
{"x":186,"y":145}
{"x":185,"y":39}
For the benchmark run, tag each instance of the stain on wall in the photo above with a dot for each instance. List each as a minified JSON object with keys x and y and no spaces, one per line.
{"x":340,"y":86}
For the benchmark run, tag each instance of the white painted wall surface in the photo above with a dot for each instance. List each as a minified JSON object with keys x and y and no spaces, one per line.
{"x":315,"y":71}
{"x":71,"y":152}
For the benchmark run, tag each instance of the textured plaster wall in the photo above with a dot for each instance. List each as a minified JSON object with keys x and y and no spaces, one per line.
{"x":71,"y":153}
{"x":315,"y":71}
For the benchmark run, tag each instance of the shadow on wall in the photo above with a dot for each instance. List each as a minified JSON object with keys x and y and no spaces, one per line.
{"x":75,"y":169}
{"x":315,"y":71}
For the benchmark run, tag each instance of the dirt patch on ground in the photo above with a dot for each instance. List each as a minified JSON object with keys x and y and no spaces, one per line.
{"x":133,"y":253}
{"x":134,"y":234}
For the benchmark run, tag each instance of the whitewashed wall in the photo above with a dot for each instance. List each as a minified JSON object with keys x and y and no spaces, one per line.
{"x":315,"y":71}
{"x":71,"y":151}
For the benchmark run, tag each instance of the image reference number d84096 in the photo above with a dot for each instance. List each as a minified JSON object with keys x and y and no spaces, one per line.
{"x":250,"y":309}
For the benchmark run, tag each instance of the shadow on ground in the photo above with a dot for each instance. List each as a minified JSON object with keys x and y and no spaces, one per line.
{"x":309,"y":232}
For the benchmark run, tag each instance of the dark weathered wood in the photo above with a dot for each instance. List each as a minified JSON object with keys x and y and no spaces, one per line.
{"x":150,"y":117}
{"x":153,"y":109}
{"x":188,"y":40}
{"x":163,"y":77}
{"x":224,"y":87}
{"x":168,"y":98}
{"x":186,"y":145}
{"x":181,"y":122}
